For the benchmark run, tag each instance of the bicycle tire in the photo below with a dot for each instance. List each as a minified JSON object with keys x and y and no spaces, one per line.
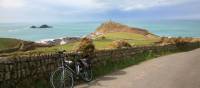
{"x":87,"y":74}
{"x":62,"y":78}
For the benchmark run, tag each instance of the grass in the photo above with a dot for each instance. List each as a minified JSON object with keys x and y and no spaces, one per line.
{"x":131,"y":38}
{"x":68,"y":47}
{"x":6,"y":43}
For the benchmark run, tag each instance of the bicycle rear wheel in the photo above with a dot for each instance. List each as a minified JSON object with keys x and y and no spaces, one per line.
{"x":62,"y":78}
{"x":86,"y":74}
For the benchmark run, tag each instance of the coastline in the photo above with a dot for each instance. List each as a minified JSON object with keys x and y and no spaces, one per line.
{"x":62,"y":29}
{"x":59,"y":41}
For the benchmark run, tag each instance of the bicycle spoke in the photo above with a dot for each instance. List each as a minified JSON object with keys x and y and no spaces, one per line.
{"x":62,"y":79}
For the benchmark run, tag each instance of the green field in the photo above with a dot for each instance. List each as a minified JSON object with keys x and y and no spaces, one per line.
{"x":7,"y":43}
{"x":133,"y":39}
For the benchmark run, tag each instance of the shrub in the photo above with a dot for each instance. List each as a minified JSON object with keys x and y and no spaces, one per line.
{"x":101,"y":38}
{"x":166,"y":41}
{"x":120,"y":44}
{"x":174,"y":40}
{"x":86,"y":46}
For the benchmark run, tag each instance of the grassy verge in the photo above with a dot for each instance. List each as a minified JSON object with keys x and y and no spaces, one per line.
{"x":124,"y":62}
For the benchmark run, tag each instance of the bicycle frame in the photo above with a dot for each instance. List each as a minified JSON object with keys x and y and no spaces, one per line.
{"x":66,"y":66}
{"x":75,"y":72}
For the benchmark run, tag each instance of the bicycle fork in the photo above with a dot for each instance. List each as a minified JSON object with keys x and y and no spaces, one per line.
{"x":63,"y":78}
{"x":77,"y":69}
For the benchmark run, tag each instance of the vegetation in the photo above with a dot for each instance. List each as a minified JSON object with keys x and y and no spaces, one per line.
{"x":120,"y":44}
{"x":100,"y":42}
{"x":111,"y":64}
{"x":7,"y":43}
{"x":175,"y":40}
{"x":132,"y":38}
{"x":86,"y":46}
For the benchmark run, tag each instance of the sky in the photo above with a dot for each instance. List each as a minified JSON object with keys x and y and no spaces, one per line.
{"x":94,"y":10}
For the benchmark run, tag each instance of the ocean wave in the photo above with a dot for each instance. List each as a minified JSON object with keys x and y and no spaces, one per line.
{"x":12,"y":30}
{"x":44,"y":40}
{"x":59,"y":41}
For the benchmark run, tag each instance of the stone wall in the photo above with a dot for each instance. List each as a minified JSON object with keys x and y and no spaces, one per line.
{"x":14,"y":71}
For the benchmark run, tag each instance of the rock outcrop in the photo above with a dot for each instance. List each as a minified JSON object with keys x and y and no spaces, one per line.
{"x":60,"y":41}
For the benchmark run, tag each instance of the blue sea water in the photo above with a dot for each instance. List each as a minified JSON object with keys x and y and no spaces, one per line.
{"x":183,"y":28}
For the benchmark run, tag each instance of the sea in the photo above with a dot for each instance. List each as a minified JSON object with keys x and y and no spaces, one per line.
{"x":167,"y":28}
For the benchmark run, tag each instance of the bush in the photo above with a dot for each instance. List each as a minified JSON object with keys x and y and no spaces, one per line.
{"x":86,"y":46}
{"x":101,"y":38}
{"x":174,"y":40}
{"x":167,"y":41}
{"x":120,"y":44}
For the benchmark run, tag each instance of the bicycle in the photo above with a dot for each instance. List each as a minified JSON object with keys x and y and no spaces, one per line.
{"x":64,"y":76}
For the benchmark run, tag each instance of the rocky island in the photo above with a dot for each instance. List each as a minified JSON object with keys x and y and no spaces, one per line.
{"x":33,"y":27}
{"x":42,"y":26}
{"x":45,"y":26}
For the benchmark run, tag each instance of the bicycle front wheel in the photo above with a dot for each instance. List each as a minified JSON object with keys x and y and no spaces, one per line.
{"x":62,"y":78}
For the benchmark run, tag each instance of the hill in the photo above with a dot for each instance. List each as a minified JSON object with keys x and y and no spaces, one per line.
{"x":110,"y":27}
{"x":11,"y":45}
{"x":111,"y":31}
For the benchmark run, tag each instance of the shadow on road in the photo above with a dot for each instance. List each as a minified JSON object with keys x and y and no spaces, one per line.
{"x":110,"y":77}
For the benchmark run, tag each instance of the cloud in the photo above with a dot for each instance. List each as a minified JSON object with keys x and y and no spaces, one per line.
{"x":11,"y":4}
{"x":79,"y":4}
{"x":128,"y":5}
{"x":69,"y":7}
{"x":77,"y":8}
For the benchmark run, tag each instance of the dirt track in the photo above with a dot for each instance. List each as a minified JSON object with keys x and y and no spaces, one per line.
{"x":180,"y":70}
